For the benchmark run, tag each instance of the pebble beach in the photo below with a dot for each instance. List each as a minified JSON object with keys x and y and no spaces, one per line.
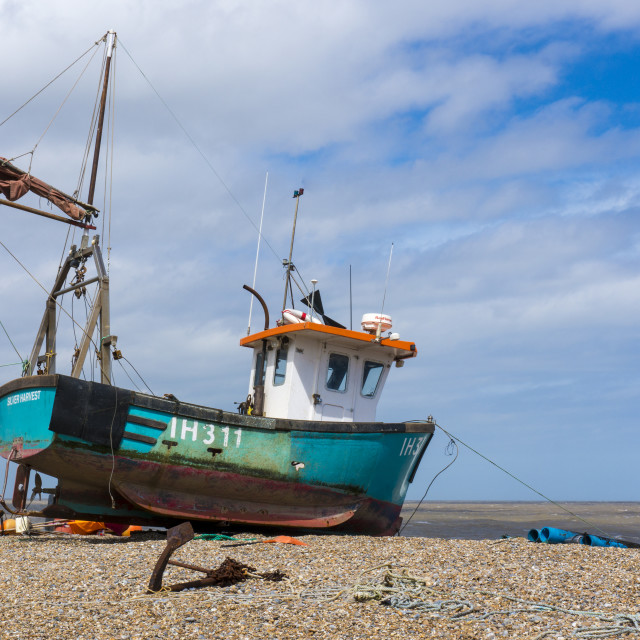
{"x":95,"y":587}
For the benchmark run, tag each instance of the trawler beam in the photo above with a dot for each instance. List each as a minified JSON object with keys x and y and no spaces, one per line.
{"x":45,"y":214}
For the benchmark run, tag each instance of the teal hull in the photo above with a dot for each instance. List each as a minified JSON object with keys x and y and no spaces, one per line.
{"x":123,"y":456}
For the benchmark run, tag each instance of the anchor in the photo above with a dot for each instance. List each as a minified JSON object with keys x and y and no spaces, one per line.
{"x":229,"y":572}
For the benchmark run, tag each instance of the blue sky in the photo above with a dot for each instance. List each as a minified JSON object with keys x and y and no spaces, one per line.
{"x":496,"y":144}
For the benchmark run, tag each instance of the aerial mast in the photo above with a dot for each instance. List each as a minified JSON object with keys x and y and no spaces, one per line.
{"x":288,"y":264}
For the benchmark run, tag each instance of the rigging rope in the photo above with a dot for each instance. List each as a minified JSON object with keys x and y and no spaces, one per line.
{"x":55,"y":115}
{"x":201,"y":153}
{"x":406,"y":591}
{"x":51,"y":82}
{"x":112,"y":96}
{"x":93,"y":122}
{"x":11,"y":341}
{"x":59,"y":304}
{"x":139,"y":376}
{"x":128,"y":376}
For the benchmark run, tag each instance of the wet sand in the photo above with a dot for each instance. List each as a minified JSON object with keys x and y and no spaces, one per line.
{"x":491,"y":520}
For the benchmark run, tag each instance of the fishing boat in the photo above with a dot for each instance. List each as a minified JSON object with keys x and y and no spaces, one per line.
{"x":303,"y":451}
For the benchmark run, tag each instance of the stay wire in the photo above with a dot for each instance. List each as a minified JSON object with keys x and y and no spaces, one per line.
{"x":139,"y":376}
{"x":93,"y":123}
{"x":108,"y":147}
{"x":201,"y":153}
{"x":62,"y":309}
{"x":11,"y":341}
{"x":112,"y":95}
{"x":128,"y":376}
{"x":55,"y":115}
{"x":522,"y":482}
{"x":50,"y":83}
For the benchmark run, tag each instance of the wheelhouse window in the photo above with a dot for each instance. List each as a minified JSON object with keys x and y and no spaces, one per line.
{"x":261,"y":366}
{"x":371,"y":378}
{"x":337,"y":372}
{"x":280,"y":369}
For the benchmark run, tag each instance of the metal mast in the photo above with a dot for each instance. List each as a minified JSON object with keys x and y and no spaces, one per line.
{"x":288,"y":264}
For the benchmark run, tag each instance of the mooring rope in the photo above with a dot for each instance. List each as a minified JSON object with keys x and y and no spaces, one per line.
{"x":455,"y":440}
{"x":406,"y":591}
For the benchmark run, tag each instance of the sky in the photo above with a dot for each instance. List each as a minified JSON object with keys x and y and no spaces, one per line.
{"x":496,"y":144}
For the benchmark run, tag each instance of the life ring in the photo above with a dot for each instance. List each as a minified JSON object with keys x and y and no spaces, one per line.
{"x":294,"y":316}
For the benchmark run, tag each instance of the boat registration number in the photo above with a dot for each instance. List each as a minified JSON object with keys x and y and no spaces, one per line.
{"x":411,"y":446}
{"x":205,"y":432}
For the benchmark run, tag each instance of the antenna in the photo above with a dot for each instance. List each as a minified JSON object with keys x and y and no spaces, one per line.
{"x":350,"y":302}
{"x":255,"y":270}
{"x":379,"y":329}
{"x":387,"y":280}
{"x":296,"y":194}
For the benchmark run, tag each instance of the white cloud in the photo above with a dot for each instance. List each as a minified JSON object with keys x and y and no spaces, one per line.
{"x":516,"y":258}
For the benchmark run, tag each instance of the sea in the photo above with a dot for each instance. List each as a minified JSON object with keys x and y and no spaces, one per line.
{"x":494,"y":520}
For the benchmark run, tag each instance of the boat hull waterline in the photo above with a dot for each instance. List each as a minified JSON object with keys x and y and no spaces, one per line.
{"x":119,"y":455}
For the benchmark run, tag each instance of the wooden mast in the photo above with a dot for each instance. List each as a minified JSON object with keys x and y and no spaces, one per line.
{"x":111,"y":37}
{"x":100,"y":310}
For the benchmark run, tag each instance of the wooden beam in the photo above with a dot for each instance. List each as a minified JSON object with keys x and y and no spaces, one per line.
{"x":45,"y":214}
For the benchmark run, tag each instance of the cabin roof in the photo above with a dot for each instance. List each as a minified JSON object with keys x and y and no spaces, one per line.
{"x":337,"y":335}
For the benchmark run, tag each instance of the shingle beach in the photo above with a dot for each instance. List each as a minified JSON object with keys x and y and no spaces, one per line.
{"x":94,"y":587}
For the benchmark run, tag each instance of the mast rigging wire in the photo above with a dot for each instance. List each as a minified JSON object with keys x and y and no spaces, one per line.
{"x":92,"y":127}
{"x":112,"y":108}
{"x":11,"y":341}
{"x":62,"y":309}
{"x":200,"y":152}
{"x":139,"y":376}
{"x":35,"y":95}
{"x":55,"y":115}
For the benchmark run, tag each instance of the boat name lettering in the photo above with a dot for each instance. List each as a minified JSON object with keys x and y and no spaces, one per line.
{"x":189,"y":430}
{"x":411,"y":446}
{"x":27,"y":396}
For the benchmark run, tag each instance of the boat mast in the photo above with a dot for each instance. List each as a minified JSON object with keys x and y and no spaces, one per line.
{"x":100,"y":310}
{"x":102,"y":298}
{"x":111,"y":39}
{"x":288,"y":264}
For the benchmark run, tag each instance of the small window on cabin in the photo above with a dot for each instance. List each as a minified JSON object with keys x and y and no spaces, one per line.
{"x":337,"y":372}
{"x":371,"y":378}
{"x":261,"y":367}
{"x":281,"y":366}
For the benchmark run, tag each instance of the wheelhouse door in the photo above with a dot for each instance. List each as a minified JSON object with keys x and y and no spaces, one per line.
{"x":336,"y":385}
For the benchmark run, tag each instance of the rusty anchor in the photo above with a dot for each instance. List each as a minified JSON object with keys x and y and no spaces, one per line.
{"x":229,"y":572}
{"x":176,"y":537}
